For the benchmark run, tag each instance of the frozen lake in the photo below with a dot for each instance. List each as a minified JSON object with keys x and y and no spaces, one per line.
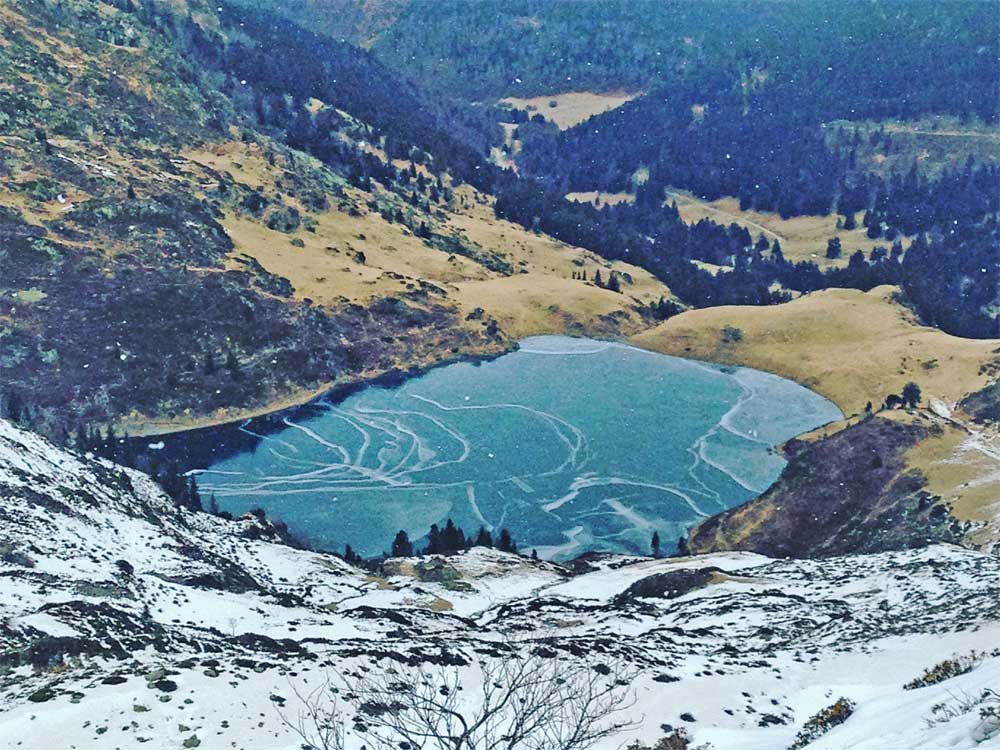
{"x":572,"y":444}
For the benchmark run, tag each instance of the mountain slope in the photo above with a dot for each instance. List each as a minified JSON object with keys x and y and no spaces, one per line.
{"x":172,"y":255}
{"x":125,"y":617}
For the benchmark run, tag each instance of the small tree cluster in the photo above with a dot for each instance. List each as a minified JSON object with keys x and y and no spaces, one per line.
{"x":909,"y":397}
{"x":450,"y":540}
{"x":613,"y":284}
{"x":182,"y":490}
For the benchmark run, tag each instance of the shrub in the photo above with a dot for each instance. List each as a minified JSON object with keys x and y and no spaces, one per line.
{"x":823,"y":721}
{"x":732,"y":335}
{"x":285,"y":219}
{"x":945,"y":670}
{"x":678,"y":739}
{"x":987,"y":701}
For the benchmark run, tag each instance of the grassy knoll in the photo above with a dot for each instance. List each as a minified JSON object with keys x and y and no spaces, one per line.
{"x":351,"y":253}
{"x":850,"y":346}
{"x":801,"y":237}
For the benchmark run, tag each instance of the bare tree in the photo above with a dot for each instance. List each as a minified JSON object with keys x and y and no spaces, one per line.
{"x":317,"y":719}
{"x":525,"y":701}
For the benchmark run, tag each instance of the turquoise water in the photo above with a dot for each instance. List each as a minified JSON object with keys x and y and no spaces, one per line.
{"x":572,"y":444}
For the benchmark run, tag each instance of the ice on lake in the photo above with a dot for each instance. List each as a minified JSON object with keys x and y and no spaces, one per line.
{"x":572,"y":444}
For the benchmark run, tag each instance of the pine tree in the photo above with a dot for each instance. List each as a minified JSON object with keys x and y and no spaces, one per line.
{"x":484,"y":538}
{"x":110,"y":447}
{"x":434,"y":546}
{"x":833,"y":249}
{"x":193,"y":496}
{"x":656,"y":544}
{"x":505,"y":543}
{"x":401,"y":545}
{"x":777,"y":255}
{"x":613,"y":284}
{"x":173,"y":483}
{"x":15,"y":407}
{"x":452,"y":538}
{"x":598,"y":281}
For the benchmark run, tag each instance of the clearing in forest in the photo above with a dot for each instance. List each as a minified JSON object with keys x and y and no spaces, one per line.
{"x":571,"y":108}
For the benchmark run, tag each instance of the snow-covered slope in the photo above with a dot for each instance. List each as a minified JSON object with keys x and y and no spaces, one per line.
{"x":126,"y":622}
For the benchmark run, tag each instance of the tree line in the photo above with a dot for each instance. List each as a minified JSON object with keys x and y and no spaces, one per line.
{"x":949,"y":273}
{"x":447,"y":541}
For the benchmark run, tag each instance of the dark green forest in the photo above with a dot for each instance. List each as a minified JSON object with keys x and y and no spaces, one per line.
{"x":765,"y":78}
{"x":760,"y":139}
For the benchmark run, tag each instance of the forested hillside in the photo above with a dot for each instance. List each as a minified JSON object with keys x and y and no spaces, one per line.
{"x":875,"y":56}
{"x":127,"y":214}
{"x":122,"y":292}
{"x":737,"y":98}
{"x":191,"y":232}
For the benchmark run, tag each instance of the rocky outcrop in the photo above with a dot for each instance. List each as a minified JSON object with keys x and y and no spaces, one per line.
{"x":668,"y":585}
{"x":848,"y":493}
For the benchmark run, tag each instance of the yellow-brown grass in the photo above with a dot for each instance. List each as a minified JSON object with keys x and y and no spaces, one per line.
{"x":849,"y":346}
{"x":572,"y":107}
{"x":541,"y":296}
{"x":601,"y":199}
{"x":801,"y":237}
{"x":962,"y":466}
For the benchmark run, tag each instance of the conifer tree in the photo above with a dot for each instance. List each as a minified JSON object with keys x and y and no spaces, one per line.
{"x":505,"y":543}
{"x":434,"y":546}
{"x":833,"y":249}
{"x":401,"y":545}
{"x":193,"y":496}
{"x":452,"y":538}
{"x":484,"y":538}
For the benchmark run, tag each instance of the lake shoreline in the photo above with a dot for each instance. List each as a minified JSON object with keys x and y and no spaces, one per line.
{"x":334,"y":391}
{"x":451,"y":443}
{"x":338,"y":391}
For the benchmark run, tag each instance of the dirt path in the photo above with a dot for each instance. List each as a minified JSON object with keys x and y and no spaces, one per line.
{"x":733,"y":218}
{"x":889,"y":128}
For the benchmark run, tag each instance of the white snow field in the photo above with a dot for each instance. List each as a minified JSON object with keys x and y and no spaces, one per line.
{"x":128,"y":623}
